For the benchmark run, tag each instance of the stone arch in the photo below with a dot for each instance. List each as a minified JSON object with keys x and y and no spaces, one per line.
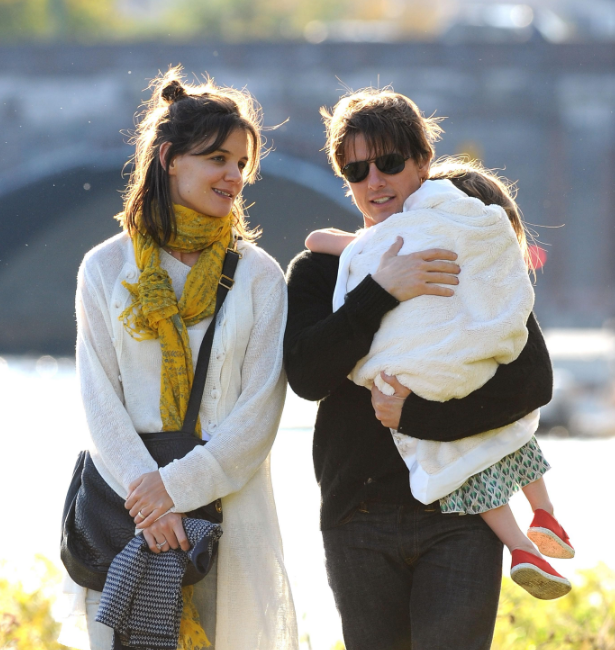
{"x":56,"y":210}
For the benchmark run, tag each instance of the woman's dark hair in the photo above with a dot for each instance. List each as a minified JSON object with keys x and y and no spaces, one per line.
{"x":189,"y":117}
{"x":484,"y":184}
{"x":388,"y":121}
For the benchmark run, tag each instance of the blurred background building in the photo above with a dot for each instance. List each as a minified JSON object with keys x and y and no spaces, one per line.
{"x":528,"y":88}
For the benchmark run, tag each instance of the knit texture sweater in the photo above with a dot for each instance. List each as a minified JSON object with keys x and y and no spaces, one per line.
{"x":355,"y":457}
{"x":241,"y":409}
{"x":438,"y":348}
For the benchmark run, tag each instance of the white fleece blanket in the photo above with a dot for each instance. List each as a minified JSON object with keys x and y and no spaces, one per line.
{"x":445,"y":348}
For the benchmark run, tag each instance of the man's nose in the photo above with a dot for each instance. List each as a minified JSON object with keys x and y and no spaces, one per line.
{"x":375,"y":178}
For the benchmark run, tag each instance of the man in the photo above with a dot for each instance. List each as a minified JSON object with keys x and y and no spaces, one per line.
{"x":403,"y":574}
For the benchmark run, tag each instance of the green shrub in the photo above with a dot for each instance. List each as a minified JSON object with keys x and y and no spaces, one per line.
{"x":582,"y":620}
{"x":26,"y":622}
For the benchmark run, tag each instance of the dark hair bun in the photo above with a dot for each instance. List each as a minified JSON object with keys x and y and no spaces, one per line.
{"x":173,"y":91}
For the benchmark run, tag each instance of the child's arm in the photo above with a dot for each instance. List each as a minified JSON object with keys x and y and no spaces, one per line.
{"x":329,"y":240}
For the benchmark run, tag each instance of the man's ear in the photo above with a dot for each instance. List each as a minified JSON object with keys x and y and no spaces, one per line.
{"x":350,"y":194}
{"x":162,"y":155}
{"x":424,"y":167}
{"x":426,"y":162}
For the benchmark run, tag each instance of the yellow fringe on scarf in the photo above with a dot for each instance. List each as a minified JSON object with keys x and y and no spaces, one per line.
{"x":155,"y":313}
{"x":191,"y":635}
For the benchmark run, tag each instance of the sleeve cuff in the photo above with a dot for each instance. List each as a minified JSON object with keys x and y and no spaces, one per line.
{"x":421,"y":416}
{"x":408,"y":414}
{"x":368,"y":302}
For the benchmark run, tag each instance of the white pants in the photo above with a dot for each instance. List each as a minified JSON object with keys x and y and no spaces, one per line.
{"x":101,"y":636}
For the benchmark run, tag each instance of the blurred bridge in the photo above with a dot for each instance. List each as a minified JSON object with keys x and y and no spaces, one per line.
{"x":544,"y":113}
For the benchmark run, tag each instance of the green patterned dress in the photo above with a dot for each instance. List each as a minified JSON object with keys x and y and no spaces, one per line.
{"x":494,"y":486}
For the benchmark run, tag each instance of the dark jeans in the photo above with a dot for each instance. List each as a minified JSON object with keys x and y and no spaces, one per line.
{"x":414,"y":579}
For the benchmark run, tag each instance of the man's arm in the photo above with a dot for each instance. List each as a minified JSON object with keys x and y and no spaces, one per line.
{"x":515,"y":390}
{"x":321,"y":346}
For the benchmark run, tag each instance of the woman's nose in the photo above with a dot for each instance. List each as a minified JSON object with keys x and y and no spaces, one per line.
{"x":234,"y":173}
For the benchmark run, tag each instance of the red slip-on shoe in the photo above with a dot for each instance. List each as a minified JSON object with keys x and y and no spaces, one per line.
{"x":537,"y":576}
{"x":550,"y":538}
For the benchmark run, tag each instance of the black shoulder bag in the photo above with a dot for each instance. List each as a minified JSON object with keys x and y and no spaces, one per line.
{"x":95,"y":524}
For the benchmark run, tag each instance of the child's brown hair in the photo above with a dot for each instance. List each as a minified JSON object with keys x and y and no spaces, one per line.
{"x":472,"y":178}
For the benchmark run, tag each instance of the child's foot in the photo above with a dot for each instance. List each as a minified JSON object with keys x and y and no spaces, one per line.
{"x":550,"y":538}
{"x":537,"y":576}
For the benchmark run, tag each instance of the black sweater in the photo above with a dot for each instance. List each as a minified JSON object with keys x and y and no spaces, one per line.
{"x":355,"y":458}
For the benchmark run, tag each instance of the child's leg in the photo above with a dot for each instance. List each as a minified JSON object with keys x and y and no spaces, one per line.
{"x":545,"y":531}
{"x":529,"y":569}
{"x":536,"y":493}
{"x":503,"y":523}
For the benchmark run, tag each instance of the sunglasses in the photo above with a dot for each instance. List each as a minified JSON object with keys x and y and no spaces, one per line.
{"x":391,"y":163}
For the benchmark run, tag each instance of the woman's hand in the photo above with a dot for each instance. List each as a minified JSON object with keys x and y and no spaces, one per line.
{"x":147,"y":499}
{"x":418,"y":274}
{"x":388,"y":407}
{"x":167,"y":533}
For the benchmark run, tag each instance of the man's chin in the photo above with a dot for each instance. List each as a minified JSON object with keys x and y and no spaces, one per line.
{"x":382,"y":216}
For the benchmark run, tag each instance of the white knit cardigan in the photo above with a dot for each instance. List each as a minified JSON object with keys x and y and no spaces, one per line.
{"x":241,"y":409}
{"x":445,"y":348}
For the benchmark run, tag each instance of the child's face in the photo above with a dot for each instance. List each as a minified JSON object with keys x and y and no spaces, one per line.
{"x":380,"y":195}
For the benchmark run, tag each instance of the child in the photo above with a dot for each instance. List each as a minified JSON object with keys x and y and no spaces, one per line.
{"x":447,"y":349}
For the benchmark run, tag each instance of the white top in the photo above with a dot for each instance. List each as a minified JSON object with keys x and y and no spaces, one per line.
{"x":241,"y":409}
{"x":445,"y":348}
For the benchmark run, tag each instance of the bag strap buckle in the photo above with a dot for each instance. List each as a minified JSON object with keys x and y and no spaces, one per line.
{"x":233,"y":247}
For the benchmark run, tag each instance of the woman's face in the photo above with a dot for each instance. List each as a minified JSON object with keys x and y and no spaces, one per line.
{"x":210,"y":183}
{"x":380,"y":195}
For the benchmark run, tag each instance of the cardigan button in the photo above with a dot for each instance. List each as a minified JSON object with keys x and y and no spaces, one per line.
{"x":215,"y":393}
{"x":131,"y":275}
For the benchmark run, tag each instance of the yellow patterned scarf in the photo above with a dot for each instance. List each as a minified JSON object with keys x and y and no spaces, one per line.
{"x":155,"y":312}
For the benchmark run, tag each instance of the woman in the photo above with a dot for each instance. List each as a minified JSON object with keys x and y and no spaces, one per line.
{"x":144,"y":300}
{"x":404,"y":575}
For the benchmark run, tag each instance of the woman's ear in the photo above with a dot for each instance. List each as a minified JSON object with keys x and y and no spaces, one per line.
{"x":162,"y":154}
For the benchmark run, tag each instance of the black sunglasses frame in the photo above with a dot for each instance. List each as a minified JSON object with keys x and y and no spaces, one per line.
{"x":390,"y":163}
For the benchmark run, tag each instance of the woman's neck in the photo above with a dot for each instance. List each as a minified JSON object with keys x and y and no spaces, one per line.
{"x":189,"y":259}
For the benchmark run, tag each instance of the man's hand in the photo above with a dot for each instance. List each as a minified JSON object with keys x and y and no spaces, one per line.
{"x":388,"y":407}
{"x":418,"y":274}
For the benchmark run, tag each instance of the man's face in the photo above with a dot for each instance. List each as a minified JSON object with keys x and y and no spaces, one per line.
{"x":380,"y":195}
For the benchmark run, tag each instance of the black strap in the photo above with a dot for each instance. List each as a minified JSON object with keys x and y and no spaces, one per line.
{"x":200,"y":374}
